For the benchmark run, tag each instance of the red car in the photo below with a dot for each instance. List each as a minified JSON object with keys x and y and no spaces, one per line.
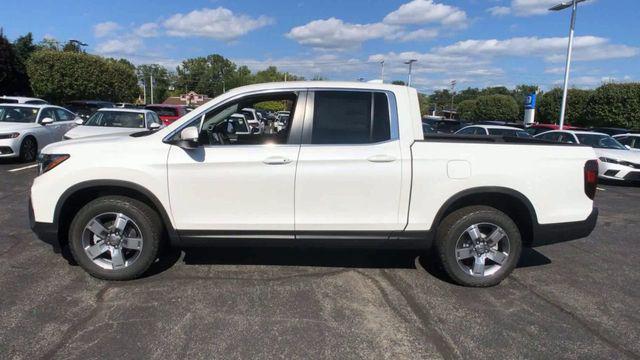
{"x":168,"y":113}
{"x":536,"y":129}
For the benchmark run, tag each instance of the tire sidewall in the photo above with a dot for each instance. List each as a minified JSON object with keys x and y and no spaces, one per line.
{"x":136,"y":211}
{"x":23,"y":149}
{"x":458,"y":222}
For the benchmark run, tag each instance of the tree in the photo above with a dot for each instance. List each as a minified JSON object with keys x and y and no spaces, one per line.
{"x":13,"y":80}
{"x":398,"y":82}
{"x":467,"y":110}
{"x":495,"y":90}
{"x":425,"y":104}
{"x":496,"y":107}
{"x":161,"y":79}
{"x":577,"y":100}
{"x":615,"y":105}
{"x":206,"y":75}
{"x":71,"y":46}
{"x":63,"y":76}
{"x":24,"y":47}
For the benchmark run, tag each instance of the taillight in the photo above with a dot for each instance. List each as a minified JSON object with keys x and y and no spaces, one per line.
{"x":591,"y":178}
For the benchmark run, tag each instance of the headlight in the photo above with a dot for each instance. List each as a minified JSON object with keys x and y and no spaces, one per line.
{"x":9,"y":136}
{"x":47,"y":162}
{"x":609,"y":160}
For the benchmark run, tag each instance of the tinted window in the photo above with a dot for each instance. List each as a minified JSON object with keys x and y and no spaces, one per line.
{"x":350,"y":117}
{"x":600,"y":141}
{"x":509,"y":132}
{"x":64,"y":115}
{"x":18,"y":114}
{"x":467,"y":131}
{"x":119,"y":119}
{"x":625,"y":140}
{"x":8,"y":101}
{"x":163,"y":111}
{"x":35,"y":102}
{"x":48,"y":113}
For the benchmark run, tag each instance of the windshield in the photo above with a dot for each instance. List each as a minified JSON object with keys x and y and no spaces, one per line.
{"x":509,"y":132}
{"x":84,"y":111}
{"x":18,"y":114}
{"x":163,"y":111}
{"x":600,"y":141}
{"x":119,"y":119}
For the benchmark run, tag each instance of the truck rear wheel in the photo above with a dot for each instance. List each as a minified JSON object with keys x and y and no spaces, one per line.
{"x":115,"y":237}
{"x":478,"y":246}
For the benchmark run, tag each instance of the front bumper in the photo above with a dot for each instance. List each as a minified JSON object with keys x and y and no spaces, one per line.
{"x":9,"y":148}
{"x":618,"y":172}
{"x":546,"y":234}
{"x":47,"y":232}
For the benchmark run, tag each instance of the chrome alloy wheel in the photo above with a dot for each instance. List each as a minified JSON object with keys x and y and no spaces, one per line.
{"x":112,"y":241}
{"x":482,"y":249}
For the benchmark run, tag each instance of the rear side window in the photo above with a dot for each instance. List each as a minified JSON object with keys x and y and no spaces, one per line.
{"x":350,"y":117}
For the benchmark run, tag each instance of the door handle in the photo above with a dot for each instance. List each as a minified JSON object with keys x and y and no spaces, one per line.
{"x":276,"y":160}
{"x":382,"y":158}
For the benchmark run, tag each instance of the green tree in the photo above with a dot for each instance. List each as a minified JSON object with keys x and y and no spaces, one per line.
{"x":161,"y":78}
{"x":13,"y":80}
{"x":425,"y":104}
{"x":398,"y":82}
{"x":24,"y":47}
{"x":63,"y":76}
{"x":496,"y":107}
{"x":206,"y":75}
{"x":71,"y":47}
{"x":577,"y":100}
{"x":615,"y":105}
{"x":467,"y":110}
{"x":495,"y":90}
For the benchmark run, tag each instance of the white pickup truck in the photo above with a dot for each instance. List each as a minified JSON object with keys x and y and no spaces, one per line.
{"x":352,"y":168}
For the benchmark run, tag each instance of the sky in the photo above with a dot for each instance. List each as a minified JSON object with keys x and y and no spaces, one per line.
{"x":478,"y":43}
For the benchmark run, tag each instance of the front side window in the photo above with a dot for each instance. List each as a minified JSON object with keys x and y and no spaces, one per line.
{"x":64,"y":115}
{"x":47,"y":113}
{"x":18,"y":114}
{"x":119,"y":119}
{"x":350,"y":117}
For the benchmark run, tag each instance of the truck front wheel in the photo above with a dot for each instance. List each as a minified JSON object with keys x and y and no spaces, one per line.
{"x":478,"y":246}
{"x":115,"y":237}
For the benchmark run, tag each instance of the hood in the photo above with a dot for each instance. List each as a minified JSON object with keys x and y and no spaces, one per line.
{"x":13,"y":126}
{"x":90,"y":143}
{"x":87,"y":131}
{"x":625,"y":155}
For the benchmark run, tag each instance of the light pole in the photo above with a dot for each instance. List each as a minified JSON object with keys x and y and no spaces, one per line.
{"x":382,"y":71}
{"x":573,"y":4}
{"x":453,"y":94}
{"x":410,"y":63}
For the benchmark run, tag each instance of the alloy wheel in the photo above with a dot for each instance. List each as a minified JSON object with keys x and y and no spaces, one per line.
{"x":482,"y":249}
{"x":112,"y":241}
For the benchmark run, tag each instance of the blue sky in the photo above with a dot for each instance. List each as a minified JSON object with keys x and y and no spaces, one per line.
{"x":476,"y":42}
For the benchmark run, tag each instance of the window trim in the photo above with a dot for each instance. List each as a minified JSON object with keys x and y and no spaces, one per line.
{"x":394,"y":130}
{"x":295,"y":132}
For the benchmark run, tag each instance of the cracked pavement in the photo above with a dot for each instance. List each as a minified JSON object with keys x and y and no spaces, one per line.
{"x":572,"y":300}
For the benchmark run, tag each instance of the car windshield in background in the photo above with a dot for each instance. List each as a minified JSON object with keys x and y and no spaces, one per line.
{"x":119,"y":119}
{"x":600,"y":141}
{"x":18,"y":114}
{"x":163,"y":111}
{"x":83,"y":111}
{"x":509,"y":132}
{"x":8,"y":101}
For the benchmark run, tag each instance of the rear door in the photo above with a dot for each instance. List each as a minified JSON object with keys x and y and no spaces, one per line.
{"x":349,"y":170}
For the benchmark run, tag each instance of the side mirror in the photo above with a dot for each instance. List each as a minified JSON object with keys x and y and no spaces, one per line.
{"x":79,"y":121}
{"x":46,"y":121}
{"x":189,"y":138}
{"x":628,"y":147}
{"x":154,"y":126}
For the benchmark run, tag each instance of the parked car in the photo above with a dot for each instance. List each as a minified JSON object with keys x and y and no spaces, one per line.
{"x":126,"y":105}
{"x":21,"y":100}
{"x":536,"y":129}
{"x":493,"y":130}
{"x":25,"y":129}
{"x":631,"y":141}
{"x":353,"y":169}
{"x":501,"y":123}
{"x":444,"y":126}
{"x":610,"y":130}
{"x":616,"y":162}
{"x":168,"y":113}
{"x":85,"y":108}
{"x":115,"y":121}
{"x":253,"y":119}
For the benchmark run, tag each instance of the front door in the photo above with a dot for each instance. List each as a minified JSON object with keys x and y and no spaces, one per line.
{"x":237,"y":184}
{"x":349,"y":169}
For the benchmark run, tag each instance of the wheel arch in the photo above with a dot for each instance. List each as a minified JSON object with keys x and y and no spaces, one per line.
{"x":74,"y":198}
{"x":511,"y":202}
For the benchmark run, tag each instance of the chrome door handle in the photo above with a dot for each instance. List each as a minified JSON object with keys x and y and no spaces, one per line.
{"x":382,"y":158}
{"x":276,"y":160}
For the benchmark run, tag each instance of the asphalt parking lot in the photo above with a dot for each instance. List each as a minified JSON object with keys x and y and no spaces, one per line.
{"x":579,"y":299}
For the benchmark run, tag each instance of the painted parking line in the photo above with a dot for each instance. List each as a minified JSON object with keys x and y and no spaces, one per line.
{"x":23,"y":168}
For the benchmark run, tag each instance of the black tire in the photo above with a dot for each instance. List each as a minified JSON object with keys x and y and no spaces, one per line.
{"x":453,"y":228}
{"x":28,"y":149}
{"x":146,"y":219}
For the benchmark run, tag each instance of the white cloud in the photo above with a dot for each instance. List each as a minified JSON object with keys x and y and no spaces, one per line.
{"x":587,"y":48}
{"x":499,"y":10}
{"x":427,"y":11}
{"x":105,"y":28}
{"x":334,"y":33}
{"x":147,"y":30}
{"x":327,"y":65}
{"x":119,"y":47}
{"x":421,"y":34}
{"x":219,"y":24}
